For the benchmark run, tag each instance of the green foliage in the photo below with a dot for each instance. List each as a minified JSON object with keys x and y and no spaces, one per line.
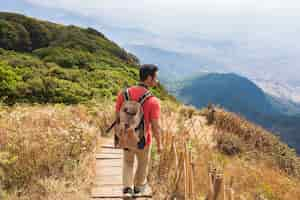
{"x":39,"y":34}
{"x":61,"y":64}
{"x":29,"y":79}
{"x":13,"y":36}
{"x":8,"y":35}
{"x":19,"y":32}
{"x":65,"y":57}
{"x":8,"y":80}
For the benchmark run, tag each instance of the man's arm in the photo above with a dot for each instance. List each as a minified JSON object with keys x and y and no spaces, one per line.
{"x":155,"y":125}
{"x":119,"y":102}
{"x":157,"y":133}
{"x":118,"y":105}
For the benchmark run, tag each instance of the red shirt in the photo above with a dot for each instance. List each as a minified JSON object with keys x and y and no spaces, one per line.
{"x":151,"y":107}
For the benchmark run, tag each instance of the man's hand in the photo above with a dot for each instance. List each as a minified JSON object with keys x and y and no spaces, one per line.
{"x":159,"y":149}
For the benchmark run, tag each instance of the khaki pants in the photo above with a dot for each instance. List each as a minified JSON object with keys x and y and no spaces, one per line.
{"x":138,"y":178}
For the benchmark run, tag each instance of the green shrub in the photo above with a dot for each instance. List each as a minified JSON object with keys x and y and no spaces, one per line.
{"x":8,"y":35}
{"x":65,"y":57}
{"x":8,"y":82}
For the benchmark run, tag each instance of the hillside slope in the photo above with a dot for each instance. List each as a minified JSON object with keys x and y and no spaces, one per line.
{"x":234,"y":92}
{"x":240,"y":95}
{"x":45,"y":62}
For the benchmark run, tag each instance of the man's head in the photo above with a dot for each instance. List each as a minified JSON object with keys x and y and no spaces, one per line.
{"x":148,"y":74}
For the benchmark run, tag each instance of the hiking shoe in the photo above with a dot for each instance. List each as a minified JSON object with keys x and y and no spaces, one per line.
{"x":139,"y":190}
{"x":128,"y":192}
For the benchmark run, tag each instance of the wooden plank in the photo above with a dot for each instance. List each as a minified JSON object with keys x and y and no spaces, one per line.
{"x":109,"y":146}
{"x":108,"y":163}
{"x":116,"y":179}
{"x":100,"y":184}
{"x":108,"y":156}
{"x":108,"y":179}
{"x":108,"y":173}
{"x":112,"y":170}
{"x":107,"y":150}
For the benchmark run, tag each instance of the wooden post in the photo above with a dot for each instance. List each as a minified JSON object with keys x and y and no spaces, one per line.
{"x":230,"y":190}
{"x":211,"y":114}
{"x":210,"y":187}
{"x":219,"y":186}
{"x":179,"y":170}
{"x":216,"y":186}
{"x":175,"y":154}
{"x":188,"y":162}
{"x":185,"y":173}
{"x":192,"y":176}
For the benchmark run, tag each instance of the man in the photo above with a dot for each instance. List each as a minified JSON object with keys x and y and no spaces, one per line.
{"x":134,"y":184}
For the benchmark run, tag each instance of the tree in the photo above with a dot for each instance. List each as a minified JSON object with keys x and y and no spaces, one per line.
{"x":39,"y":34}
{"x":8,"y":35}
{"x":14,"y":36}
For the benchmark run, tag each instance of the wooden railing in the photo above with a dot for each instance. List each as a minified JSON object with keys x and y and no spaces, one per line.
{"x":177,"y":164}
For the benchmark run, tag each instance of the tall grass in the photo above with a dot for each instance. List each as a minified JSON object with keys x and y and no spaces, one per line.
{"x":253,"y":137}
{"x":194,"y":152}
{"x":47,"y":151}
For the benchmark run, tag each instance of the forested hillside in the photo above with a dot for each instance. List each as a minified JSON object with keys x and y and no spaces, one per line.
{"x":46,"y":62}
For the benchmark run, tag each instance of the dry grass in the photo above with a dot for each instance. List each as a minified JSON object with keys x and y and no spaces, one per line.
{"x":47,"y":151}
{"x":254,"y":137}
{"x":184,"y":132}
{"x":251,"y":172}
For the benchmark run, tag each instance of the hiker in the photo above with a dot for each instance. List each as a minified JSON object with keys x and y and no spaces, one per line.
{"x":136,"y":184}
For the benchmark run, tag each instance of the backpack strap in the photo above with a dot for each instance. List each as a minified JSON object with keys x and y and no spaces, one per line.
{"x":126,"y":94}
{"x":145,"y":96}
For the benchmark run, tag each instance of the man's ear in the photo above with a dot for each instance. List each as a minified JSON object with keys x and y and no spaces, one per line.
{"x":152,"y":78}
{"x":149,"y":78}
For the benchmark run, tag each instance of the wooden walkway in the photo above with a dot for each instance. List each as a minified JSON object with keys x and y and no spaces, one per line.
{"x":108,"y":180}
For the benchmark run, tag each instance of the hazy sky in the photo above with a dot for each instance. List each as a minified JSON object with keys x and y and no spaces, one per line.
{"x":211,"y":16}
{"x":262,"y":34}
{"x":269,"y":20}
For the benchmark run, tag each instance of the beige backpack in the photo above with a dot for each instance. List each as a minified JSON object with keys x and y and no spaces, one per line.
{"x":130,"y":130}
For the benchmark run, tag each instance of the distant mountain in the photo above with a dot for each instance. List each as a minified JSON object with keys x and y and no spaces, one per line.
{"x":240,"y":95}
{"x":173,"y":65}
{"x":236,"y":93}
{"x":177,"y":66}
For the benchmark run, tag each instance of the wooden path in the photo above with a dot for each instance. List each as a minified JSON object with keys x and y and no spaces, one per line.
{"x":108,"y":180}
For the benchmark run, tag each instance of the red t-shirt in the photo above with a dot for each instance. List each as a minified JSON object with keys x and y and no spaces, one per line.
{"x":151,"y":107}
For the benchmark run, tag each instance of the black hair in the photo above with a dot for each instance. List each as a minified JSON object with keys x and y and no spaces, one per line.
{"x":146,"y":70}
